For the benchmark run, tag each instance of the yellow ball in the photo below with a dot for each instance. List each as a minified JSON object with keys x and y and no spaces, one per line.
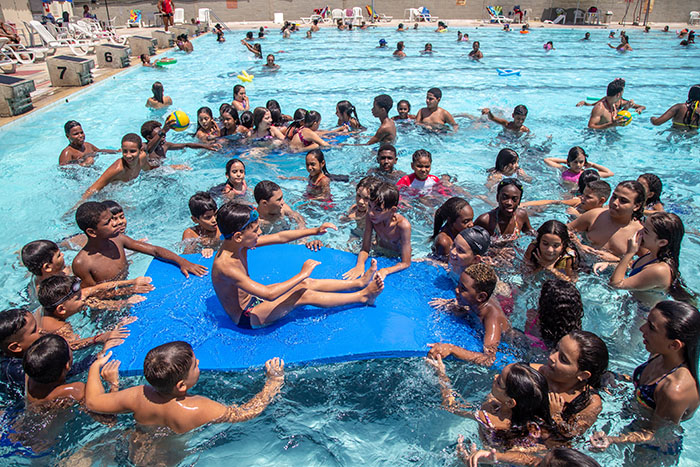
{"x":182,"y":121}
{"x":626,"y":117}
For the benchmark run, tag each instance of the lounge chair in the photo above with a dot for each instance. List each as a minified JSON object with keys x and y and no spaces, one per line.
{"x":77,"y":46}
{"x":561,"y":19}
{"x":5,"y":59}
{"x":496,"y":15}
{"x":135,"y":19}
{"x":179,"y":17}
{"x":694,"y":17}
{"x":22,"y":54}
{"x":83,"y":30}
{"x":374,"y":16}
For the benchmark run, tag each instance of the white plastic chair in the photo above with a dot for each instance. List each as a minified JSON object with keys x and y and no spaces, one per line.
{"x":357,"y":16}
{"x":77,"y":46}
{"x":337,"y":14}
{"x":179,"y":17}
{"x":138,"y":21}
{"x":204,"y":17}
{"x":694,"y":17}
{"x":578,"y":15}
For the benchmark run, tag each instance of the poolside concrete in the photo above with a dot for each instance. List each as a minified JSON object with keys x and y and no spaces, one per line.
{"x":46,"y":94}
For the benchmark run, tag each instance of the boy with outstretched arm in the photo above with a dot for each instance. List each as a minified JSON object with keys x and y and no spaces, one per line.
{"x":251,"y":305}
{"x":474,"y":295}
{"x":61,"y":298}
{"x":393,"y":231}
{"x":595,"y":195}
{"x":171,"y":370}
{"x":204,"y":235}
{"x":432,"y":115}
{"x":386,"y":133}
{"x":103,"y":258}
{"x":519,"y":116}
{"x":157,"y":147}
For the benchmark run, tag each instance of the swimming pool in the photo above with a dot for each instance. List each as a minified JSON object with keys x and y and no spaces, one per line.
{"x":376,"y":412}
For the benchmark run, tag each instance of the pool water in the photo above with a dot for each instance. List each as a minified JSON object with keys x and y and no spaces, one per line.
{"x":372,"y":412}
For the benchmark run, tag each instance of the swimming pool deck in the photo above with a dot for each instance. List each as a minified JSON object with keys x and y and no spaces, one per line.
{"x":46,"y":94}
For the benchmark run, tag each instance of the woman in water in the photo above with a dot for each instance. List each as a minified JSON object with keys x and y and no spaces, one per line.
{"x":576,"y":162}
{"x":609,"y":229}
{"x":553,"y":251}
{"x":207,"y":129}
{"x":666,"y":384}
{"x":655,"y":271}
{"x":451,"y":218}
{"x":506,"y":166}
{"x":240,"y":99}
{"x":684,"y":115}
{"x":158,"y":101}
{"x":302,"y":135}
{"x":653,"y":187}
{"x":507,"y":220}
{"x":262,"y":126}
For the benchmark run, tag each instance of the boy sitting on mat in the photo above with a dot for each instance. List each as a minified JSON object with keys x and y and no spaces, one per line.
{"x":393,"y":231}
{"x":171,"y":370}
{"x":250,"y":304}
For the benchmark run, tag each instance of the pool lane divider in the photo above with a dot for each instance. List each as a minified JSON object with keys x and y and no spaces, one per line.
{"x":400,"y":324}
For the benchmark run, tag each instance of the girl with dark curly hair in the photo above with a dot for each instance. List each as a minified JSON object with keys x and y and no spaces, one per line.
{"x":560,"y":311}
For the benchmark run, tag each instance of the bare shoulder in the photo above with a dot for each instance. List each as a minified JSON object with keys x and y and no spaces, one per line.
{"x":402,"y":222}
{"x":189,"y":233}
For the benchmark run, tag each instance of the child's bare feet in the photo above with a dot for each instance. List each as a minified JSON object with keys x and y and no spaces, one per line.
{"x":369,"y":274}
{"x":374,"y":288}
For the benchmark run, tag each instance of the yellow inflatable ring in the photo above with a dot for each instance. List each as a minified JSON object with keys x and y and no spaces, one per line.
{"x":245,"y":77}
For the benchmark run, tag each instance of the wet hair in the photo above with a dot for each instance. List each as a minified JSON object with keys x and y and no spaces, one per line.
{"x":231,"y":110}
{"x":509,"y":181}
{"x":530,"y":391}
{"x":246,"y":119}
{"x":574,"y":153}
{"x":275,"y":111}
{"x":237,"y":88}
{"x":668,"y":226}
{"x":157,"y":90}
{"x":200,"y":203}
{"x":384,"y":195}
{"x":520,"y":110}
{"x":114,"y":207}
{"x":167,"y":365}
{"x":615,"y":87}
{"x":404,"y":101}
{"x":310,"y":117}
{"x":505,"y":157}
{"x":447,"y":214}
{"x":11,"y":322}
{"x":554,"y":227}
{"x":420,"y":154}
{"x":230,"y":163}
{"x":132,"y":138}
{"x":232,"y":216}
{"x":387,"y":147}
{"x":400,"y":25}
{"x":560,"y":310}
{"x":258,"y":115}
{"x":600,"y":188}
{"x":586,"y":177}
{"x":318,"y":155}
{"x":46,"y":359}
{"x":69,"y":125}
{"x":566,"y":457}
{"x":299,"y":114}
{"x":368,"y":183}
{"x":264,"y":190}
{"x":484,"y":278}
{"x":683,"y":323}
{"x":53,"y":289}
{"x":148,"y":127}
{"x":38,"y":253}
{"x":435,"y":92}
{"x":346,"y":108}
{"x":655,"y":186}
{"x":691,"y":104}
{"x":640,"y":197}
{"x":249,"y":35}
{"x":592,"y":357}
{"x":88,"y":214}
{"x":203,"y":110}
{"x":384,"y":101}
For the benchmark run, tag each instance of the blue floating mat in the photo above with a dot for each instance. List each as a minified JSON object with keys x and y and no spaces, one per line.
{"x":507,"y":72}
{"x":401,"y":323}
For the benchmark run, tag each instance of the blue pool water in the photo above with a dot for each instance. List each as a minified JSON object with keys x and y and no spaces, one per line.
{"x":372,"y":412}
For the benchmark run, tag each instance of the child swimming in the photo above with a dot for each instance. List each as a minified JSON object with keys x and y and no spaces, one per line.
{"x":386,"y":133}
{"x":685,"y":115}
{"x":347,"y":117}
{"x":519,"y":116}
{"x":399,"y":53}
{"x":240,"y":99}
{"x":159,"y":100}
{"x":207,"y":129}
{"x":204,"y":235}
{"x":507,"y":220}
{"x":553,"y":251}
{"x":432,"y":115}
{"x":476,"y":53}
{"x":387,"y":159}
{"x":421,"y":181}
{"x":506,"y":166}
{"x":404,"y":110}
{"x":577,"y":162}
{"x":653,"y":187}
{"x":235,"y":180}
{"x":451,"y":218}
{"x":301,"y":134}
{"x":319,"y":186}
{"x":78,"y":150}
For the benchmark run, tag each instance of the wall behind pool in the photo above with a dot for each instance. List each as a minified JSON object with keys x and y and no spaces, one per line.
{"x":667,"y":11}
